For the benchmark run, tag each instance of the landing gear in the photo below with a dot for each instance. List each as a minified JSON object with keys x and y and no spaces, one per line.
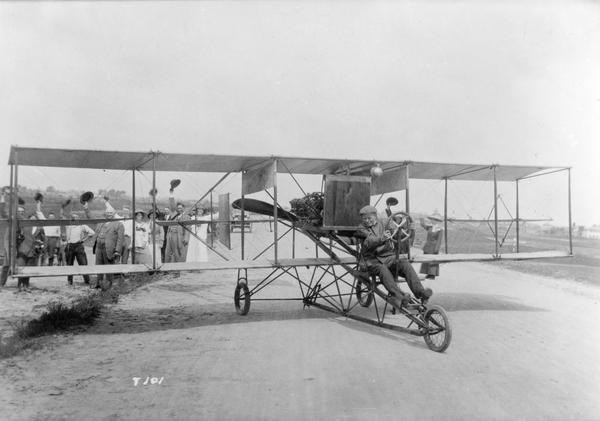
{"x":364,"y":295}
{"x":241,"y":299}
{"x":437,"y":332}
{"x":241,"y":295}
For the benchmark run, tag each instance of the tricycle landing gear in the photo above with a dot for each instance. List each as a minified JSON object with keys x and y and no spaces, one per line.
{"x":241,"y":295}
{"x":241,"y":299}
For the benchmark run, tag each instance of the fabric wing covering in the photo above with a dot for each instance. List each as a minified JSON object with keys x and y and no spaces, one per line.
{"x":144,"y":161}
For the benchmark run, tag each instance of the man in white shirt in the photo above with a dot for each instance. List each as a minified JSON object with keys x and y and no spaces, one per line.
{"x":52,"y":240}
{"x":75,"y":250}
{"x":75,"y":237}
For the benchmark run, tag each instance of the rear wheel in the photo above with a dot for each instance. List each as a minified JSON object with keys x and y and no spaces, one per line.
{"x":241,"y":299}
{"x":438,"y":334}
{"x":363,"y":294}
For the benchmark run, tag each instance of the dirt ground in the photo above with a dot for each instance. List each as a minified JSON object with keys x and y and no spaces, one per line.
{"x":524,"y":347}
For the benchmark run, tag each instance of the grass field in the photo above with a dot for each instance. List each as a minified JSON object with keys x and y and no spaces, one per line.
{"x":583,"y":266}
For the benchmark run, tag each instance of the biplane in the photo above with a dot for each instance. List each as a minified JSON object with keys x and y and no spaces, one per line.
{"x":330,"y":279}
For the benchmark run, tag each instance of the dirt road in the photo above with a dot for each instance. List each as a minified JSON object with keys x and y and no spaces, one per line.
{"x":524,"y":347}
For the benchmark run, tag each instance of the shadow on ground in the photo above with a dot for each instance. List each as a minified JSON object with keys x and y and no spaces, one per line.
{"x":185,"y":317}
{"x":480,"y":302}
{"x":118,"y":320}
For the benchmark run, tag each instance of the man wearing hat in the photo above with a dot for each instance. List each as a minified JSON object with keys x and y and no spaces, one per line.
{"x":76,"y":235}
{"x":53,"y":236}
{"x":52,"y":233}
{"x":109,"y":241}
{"x":30,"y":246}
{"x":126,"y":247}
{"x":379,"y":258}
{"x":6,"y":245}
{"x":178,"y":236}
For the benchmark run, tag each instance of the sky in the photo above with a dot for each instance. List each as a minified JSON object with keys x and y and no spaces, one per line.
{"x":508,"y":82}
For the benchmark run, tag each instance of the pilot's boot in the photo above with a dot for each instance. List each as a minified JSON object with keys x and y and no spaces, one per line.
{"x":425,"y":295}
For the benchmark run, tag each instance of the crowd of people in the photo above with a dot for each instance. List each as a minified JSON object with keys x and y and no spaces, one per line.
{"x":113,"y":241}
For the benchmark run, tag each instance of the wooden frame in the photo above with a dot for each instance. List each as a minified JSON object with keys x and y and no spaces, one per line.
{"x":345,"y":195}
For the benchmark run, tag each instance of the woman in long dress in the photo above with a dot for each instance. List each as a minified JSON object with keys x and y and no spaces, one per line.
{"x":142,"y":239}
{"x":435,"y":234}
{"x":197,"y":250}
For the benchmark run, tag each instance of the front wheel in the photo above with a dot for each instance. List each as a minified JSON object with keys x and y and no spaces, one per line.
{"x":241,"y":299}
{"x":438,"y":334}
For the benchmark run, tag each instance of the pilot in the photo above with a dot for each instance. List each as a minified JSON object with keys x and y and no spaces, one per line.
{"x":379,"y":258}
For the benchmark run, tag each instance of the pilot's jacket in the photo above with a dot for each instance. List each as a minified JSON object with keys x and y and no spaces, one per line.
{"x":374,"y":244}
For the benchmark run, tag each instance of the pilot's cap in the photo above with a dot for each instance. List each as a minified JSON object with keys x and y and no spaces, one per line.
{"x":366,"y":210}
